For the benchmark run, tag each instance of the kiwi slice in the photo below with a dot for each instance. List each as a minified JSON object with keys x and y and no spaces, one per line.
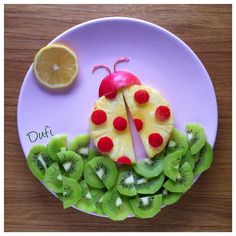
{"x":72,"y":164}
{"x":114,"y":206}
{"x":91,"y":178}
{"x":183,"y":181}
{"x":38,"y":161}
{"x":148,"y":186}
{"x":150,"y":167}
{"x":97,"y":195}
{"x":171,"y":164}
{"x":125,"y":183}
{"x":169,"y":198}
{"x":86,"y":202}
{"x":80,"y":145}
{"x":203,"y":159}
{"x":188,"y":157}
{"x":196,"y":137}
{"x":60,"y":196}
{"x":57,"y":144}
{"x":178,"y":142}
{"x":53,"y":178}
{"x":71,"y":192}
{"x":146,"y":207}
{"x":93,"y":153}
{"x":105,"y":169}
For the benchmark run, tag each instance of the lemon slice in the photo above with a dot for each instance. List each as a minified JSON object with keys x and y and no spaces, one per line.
{"x":55,"y":66}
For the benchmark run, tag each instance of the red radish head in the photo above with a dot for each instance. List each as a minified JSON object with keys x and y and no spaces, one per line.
{"x":116,"y":80}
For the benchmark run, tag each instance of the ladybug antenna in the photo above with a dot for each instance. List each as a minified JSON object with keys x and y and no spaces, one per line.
{"x":99,"y":66}
{"x":119,"y":60}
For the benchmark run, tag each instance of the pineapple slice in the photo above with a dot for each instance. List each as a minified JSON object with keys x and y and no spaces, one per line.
{"x":152,"y":116}
{"x":109,"y":129}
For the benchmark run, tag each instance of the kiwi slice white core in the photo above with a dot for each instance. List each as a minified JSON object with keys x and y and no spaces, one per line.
{"x":190,"y":136}
{"x":43,"y":163}
{"x":149,"y":161}
{"x":118,"y":202}
{"x":141,"y":181}
{"x":130,"y":180}
{"x":88,"y":195}
{"x":172,"y":144}
{"x":100,"y":173}
{"x":59,"y":177}
{"x":67,"y":166}
{"x":83,"y":150}
{"x":145,"y":200}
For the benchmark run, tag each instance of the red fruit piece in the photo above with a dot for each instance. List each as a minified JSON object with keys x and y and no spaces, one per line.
{"x":98,"y":117}
{"x":105,"y":144}
{"x":141,"y":96}
{"x":162,"y":113}
{"x":111,"y":95}
{"x":124,"y":160}
{"x":155,"y":140}
{"x":119,"y":123}
{"x":138,"y":123}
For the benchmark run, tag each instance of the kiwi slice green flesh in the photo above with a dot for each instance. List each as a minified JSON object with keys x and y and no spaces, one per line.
{"x":93,"y":153}
{"x":203,"y":159}
{"x":53,"y":178}
{"x":38,"y":161}
{"x":150,"y":167}
{"x":80,"y":145}
{"x":196,"y":137}
{"x":91,"y":178}
{"x":169,"y":198}
{"x":105,"y":169}
{"x":146,"y":207}
{"x":57,"y":144}
{"x":114,"y":206}
{"x":188,"y":157}
{"x":171,"y":164}
{"x":72,"y":164}
{"x":97,"y":195}
{"x":178,"y":142}
{"x":86,"y":203}
{"x":183,"y":181}
{"x":148,"y":186}
{"x":125,"y":183}
{"x":71,"y":192}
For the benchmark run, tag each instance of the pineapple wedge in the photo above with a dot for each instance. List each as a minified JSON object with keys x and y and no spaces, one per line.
{"x":122,"y":145}
{"x":146,"y":113}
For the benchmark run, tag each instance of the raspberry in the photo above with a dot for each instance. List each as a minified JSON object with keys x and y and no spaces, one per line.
{"x":124,"y":160}
{"x":111,"y":95}
{"x":105,"y":144}
{"x":155,"y":140}
{"x":162,"y":113}
{"x":98,"y":117}
{"x":141,"y":96}
{"x":119,"y":123}
{"x":138,"y":123}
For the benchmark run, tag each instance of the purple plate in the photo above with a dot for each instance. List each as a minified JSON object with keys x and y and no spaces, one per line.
{"x":159,"y":59}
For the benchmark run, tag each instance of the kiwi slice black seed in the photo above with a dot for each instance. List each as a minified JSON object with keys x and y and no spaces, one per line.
{"x":150,"y":167}
{"x":147,"y":206}
{"x":53,"y":178}
{"x":169,"y":198}
{"x":91,"y":178}
{"x":148,"y":186}
{"x":57,"y":144}
{"x":188,"y":157}
{"x":38,"y":161}
{"x":196,"y":137}
{"x":125,"y":183}
{"x":178,"y":142}
{"x":114,"y":206}
{"x":80,"y":145}
{"x":171,"y":164}
{"x":72,"y":164}
{"x":86,"y":203}
{"x":105,"y":169}
{"x":203,"y":159}
{"x":183,"y":181}
{"x":71,"y":192}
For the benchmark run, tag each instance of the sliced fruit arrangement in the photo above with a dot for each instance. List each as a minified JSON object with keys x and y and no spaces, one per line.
{"x":55,"y":66}
{"x":84,"y":178}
